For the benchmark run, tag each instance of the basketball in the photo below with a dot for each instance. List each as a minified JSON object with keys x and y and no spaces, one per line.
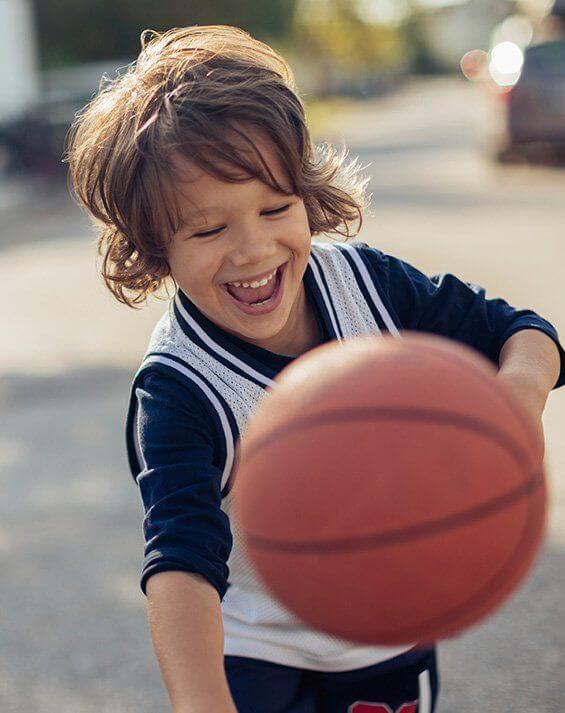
{"x":390,"y":491}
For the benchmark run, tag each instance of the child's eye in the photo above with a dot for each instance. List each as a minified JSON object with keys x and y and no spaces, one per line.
{"x":278,"y":210}
{"x":266,"y":212}
{"x":209,"y":232}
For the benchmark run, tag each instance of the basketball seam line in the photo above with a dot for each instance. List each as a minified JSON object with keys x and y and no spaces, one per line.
{"x":389,"y":412}
{"x":479,"y":597}
{"x":399,"y":536}
{"x":478,"y":372}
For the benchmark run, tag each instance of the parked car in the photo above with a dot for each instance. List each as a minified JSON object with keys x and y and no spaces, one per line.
{"x":533,"y":109}
{"x":34,"y":141}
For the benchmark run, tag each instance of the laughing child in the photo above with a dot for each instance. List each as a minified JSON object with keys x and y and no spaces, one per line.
{"x":198,"y":168}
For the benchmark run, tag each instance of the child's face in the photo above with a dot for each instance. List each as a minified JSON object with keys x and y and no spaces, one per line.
{"x":249,"y":241}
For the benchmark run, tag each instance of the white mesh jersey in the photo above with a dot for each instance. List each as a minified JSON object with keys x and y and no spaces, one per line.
{"x":255,"y":624}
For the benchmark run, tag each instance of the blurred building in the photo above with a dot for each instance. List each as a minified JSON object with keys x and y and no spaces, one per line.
{"x":453,"y":29}
{"x":19,"y":78}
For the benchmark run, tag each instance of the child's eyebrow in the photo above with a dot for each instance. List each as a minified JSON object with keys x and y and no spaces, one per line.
{"x":191,"y":217}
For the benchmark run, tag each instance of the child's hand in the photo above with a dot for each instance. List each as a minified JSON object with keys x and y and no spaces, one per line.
{"x":527,"y":393}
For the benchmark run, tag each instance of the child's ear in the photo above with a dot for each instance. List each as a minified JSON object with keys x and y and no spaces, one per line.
{"x":160,"y":275}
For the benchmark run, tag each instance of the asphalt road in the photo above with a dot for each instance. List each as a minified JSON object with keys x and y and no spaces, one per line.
{"x":73,"y":632}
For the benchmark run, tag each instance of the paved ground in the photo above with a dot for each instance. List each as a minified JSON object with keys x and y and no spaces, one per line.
{"x":73,"y":633}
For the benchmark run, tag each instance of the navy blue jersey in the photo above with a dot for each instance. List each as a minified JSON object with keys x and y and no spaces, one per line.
{"x":198,"y":384}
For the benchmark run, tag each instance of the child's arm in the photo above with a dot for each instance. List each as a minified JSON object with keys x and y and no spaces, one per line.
{"x":525,"y":346}
{"x":529,"y":365}
{"x":187,"y":540}
{"x":186,"y":626}
{"x":445,"y":305}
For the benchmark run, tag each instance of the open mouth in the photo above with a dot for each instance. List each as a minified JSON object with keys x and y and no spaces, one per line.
{"x":261,"y":299}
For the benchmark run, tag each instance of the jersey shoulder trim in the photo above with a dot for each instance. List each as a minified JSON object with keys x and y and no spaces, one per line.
{"x":209,"y":397}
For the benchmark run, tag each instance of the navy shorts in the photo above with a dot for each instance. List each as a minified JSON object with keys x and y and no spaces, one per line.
{"x":393,"y":686}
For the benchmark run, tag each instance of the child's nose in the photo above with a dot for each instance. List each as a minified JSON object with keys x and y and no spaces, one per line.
{"x":252,"y":245}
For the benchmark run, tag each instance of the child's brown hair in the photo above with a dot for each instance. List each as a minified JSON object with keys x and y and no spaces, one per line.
{"x":190,"y":92}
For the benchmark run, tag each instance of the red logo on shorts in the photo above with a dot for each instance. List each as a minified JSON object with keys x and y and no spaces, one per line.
{"x":365,"y":707}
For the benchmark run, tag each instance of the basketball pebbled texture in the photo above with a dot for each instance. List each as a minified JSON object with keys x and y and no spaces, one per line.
{"x":391,"y":491}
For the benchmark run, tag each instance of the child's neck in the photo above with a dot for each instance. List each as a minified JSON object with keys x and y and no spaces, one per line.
{"x":304,"y":332}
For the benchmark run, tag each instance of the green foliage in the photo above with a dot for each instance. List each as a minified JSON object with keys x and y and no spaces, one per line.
{"x":336,"y":31}
{"x":76,"y":31}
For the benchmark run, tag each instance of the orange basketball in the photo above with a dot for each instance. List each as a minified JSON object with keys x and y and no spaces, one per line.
{"x":391,"y":491}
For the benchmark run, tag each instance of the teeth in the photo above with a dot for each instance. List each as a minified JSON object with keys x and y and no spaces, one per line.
{"x":255,"y":285}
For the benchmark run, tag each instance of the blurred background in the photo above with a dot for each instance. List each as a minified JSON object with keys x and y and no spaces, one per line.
{"x":457,"y":110}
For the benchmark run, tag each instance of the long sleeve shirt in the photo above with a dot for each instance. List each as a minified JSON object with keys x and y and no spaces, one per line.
{"x":197,"y":386}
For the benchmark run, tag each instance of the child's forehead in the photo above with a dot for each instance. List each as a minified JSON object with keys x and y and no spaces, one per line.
{"x":194,"y":183}
{"x":258,"y":149}
{"x":191,"y":179}
{"x":208,"y":197}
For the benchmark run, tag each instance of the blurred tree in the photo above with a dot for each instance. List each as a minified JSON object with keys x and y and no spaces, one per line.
{"x":76,"y":31}
{"x":356,"y":46}
{"x":339,"y":31}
